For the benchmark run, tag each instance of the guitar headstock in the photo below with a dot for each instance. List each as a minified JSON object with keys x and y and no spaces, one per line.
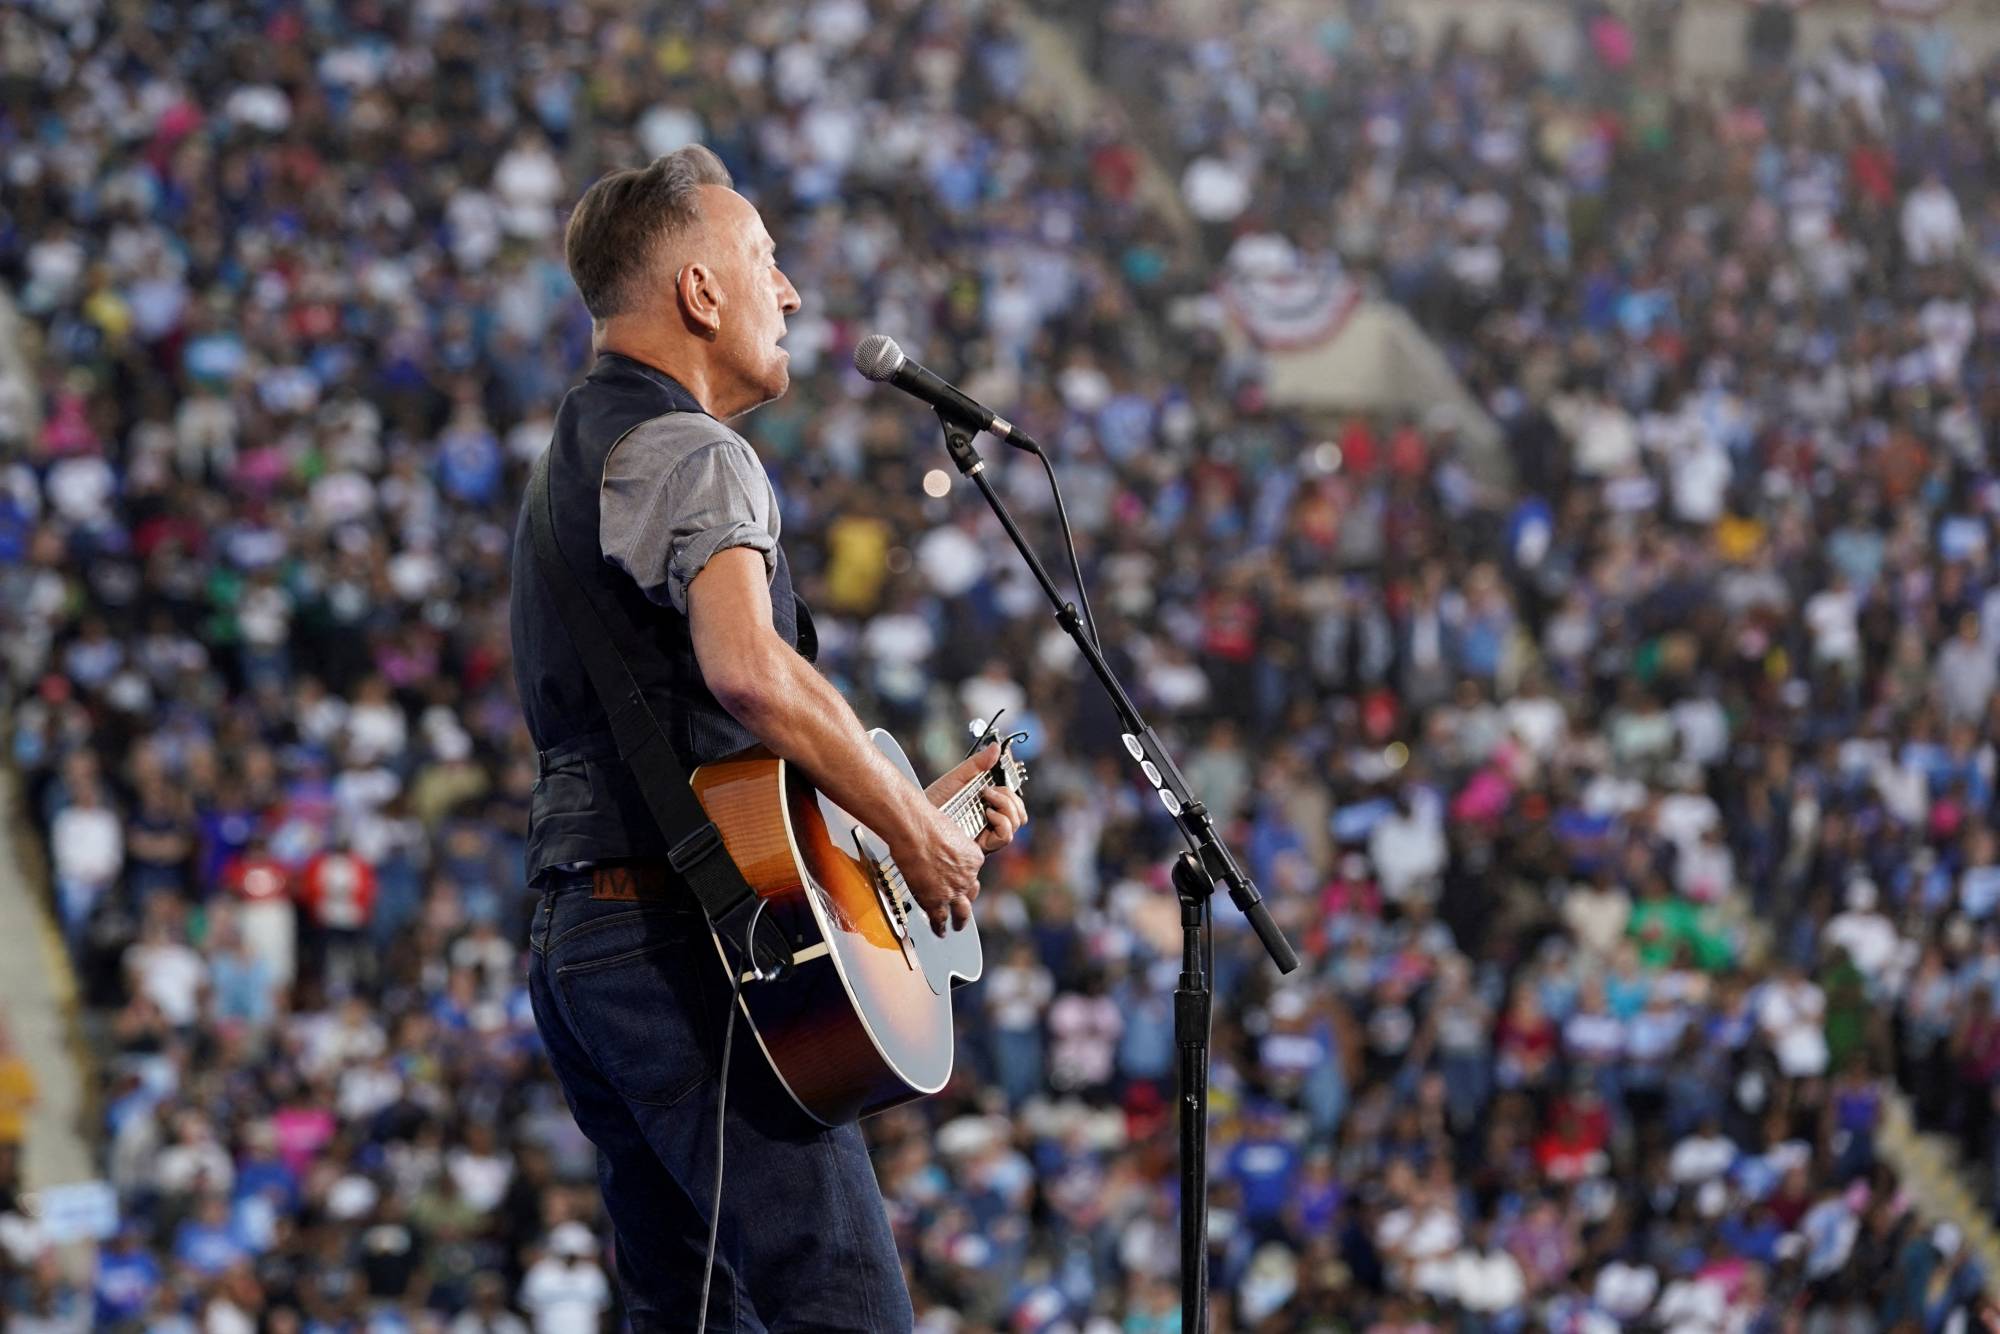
{"x":1009,"y":772}
{"x":1013,"y":774}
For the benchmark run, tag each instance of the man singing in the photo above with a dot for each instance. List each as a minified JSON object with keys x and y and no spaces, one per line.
{"x":688,"y":307}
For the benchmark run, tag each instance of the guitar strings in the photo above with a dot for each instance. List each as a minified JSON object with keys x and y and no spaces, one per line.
{"x":957,"y":808}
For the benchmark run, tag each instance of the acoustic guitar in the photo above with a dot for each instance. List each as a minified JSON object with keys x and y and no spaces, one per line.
{"x":861,"y":1021}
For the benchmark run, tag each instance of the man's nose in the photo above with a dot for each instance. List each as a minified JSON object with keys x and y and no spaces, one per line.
{"x":788,"y":298}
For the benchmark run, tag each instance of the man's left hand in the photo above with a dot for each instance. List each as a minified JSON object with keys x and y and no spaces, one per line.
{"x":1005,"y":813}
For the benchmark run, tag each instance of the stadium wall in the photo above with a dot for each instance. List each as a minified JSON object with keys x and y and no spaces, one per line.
{"x":1709,"y":42}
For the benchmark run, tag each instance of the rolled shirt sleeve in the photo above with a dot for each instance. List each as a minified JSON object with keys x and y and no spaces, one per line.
{"x":677,"y":490}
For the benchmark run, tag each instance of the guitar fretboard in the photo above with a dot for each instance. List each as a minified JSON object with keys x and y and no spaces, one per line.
{"x":967,"y":810}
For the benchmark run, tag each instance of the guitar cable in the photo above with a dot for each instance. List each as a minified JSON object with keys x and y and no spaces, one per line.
{"x":758,"y":973}
{"x":781,"y":965}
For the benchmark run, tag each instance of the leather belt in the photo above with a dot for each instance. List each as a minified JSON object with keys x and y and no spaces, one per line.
{"x":630,"y":882}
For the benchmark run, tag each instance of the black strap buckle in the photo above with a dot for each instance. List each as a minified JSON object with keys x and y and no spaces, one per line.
{"x":695,"y":848}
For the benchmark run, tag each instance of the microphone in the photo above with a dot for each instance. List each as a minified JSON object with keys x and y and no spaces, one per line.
{"x":878,"y":358}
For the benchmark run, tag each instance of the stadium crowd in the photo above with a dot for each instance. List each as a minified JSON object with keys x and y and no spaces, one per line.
{"x":1634,"y":810}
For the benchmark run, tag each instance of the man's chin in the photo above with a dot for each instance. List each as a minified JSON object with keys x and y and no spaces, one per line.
{"x":771,"y":389}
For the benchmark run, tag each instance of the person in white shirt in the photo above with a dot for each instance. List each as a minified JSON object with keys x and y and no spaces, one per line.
{"x":1537,"y":718}
{"x":1407,"y":847}
{"x":1217,"y":187}
{"x":1833,"y":614}
{"x":1604,"y":438}
{"x":87,"y":847}
{"x":1967,"y":674}
{"x":1625,"y":1291}
{"x":480,"y":1168}
{"x":1485,"y":1278}
{"x":1596,"y":913}
{"x":1084,"y":1028}
{"x":1701,"y":1157}
{"x":1868,"y":936}
{"x":1421,"y":1238}
{"x":1592,"y":1034}
{"x":1933,"y":228}
{"x":169,"y":972}
{"x":565,"y":1292}
{"x":527,"y":181}
{"x":1693,"y":1306}
{"x":195,"y":1161}
{"x":488,"y":1313}
{"x":1688,"y":812}
{"x":1791,"y":1010}
{"x":1706,"y":871}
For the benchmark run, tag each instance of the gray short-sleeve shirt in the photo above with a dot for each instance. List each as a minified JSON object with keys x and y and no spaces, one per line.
{"x":677,"y":489}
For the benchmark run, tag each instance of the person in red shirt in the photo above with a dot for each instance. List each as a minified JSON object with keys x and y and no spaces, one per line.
{"x":337,"y":891}
{"x":1230,"y":620}
{"x":1872,"y":169}
{"x":1526,"y":1040}
{"x":1574,"y":1146}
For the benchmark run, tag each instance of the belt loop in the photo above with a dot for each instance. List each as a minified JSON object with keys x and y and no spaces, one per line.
{"x":548,"y":917}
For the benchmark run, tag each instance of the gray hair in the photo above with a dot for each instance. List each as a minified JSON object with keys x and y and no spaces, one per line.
{"x":618,"y":225}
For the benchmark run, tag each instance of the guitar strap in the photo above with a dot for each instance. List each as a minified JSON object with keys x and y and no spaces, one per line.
{"x":608,"y":641}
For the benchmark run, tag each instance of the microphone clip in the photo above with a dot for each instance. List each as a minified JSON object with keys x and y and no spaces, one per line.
{"x":958,"y":437}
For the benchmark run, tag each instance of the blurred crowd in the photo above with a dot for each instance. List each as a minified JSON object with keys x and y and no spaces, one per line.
{"x":1632,"y":806}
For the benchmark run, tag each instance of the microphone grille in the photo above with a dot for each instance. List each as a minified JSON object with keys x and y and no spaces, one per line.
{"x":877,"y":357}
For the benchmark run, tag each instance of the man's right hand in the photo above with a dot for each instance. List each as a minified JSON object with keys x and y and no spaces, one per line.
{"x":941,"y":867}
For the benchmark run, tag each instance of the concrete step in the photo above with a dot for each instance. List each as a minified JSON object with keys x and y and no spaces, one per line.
{"x":1929,"y":1169}
{"x":41,"y":1007}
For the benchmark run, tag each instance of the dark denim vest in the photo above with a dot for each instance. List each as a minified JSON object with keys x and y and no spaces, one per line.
{"x":586,"y":806}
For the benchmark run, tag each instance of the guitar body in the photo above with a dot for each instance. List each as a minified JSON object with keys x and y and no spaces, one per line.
{"x":862,"y":1021}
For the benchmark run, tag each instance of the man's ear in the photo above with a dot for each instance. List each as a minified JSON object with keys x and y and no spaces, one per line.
{"x":699,"y":298}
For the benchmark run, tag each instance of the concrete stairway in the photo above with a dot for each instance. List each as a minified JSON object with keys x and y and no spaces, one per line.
{"x":1928,"y":1167}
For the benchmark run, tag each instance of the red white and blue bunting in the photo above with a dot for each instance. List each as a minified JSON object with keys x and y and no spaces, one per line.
{"x":1898,"y":9}
{"x":1283,"y":307}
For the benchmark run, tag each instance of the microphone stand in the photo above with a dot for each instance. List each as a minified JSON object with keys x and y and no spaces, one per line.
{"x":1195,"y":875}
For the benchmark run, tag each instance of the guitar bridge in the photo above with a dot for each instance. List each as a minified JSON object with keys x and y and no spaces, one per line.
{"x":900,"y":905}
{"x":897,"y":904}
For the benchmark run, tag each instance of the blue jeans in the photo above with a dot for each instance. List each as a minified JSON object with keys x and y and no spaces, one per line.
{"x":630,"y":999}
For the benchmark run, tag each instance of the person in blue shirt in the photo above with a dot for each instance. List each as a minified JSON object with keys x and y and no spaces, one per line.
{"x":241,"y":980}
{"x":1753,"y":1237}
{"x":469,"y":457}
{"x":127,"y":1277}
{"x":205,"y":1242}
{"x":1263,"y":1164}
{"x":1146,"y":1044}
{"x":1316,"y":1198}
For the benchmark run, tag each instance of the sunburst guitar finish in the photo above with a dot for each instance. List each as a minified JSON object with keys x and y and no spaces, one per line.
{"x":862,"y":1020}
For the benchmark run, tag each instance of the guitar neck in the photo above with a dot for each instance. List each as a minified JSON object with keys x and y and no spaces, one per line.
{"x":966,"y":809}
